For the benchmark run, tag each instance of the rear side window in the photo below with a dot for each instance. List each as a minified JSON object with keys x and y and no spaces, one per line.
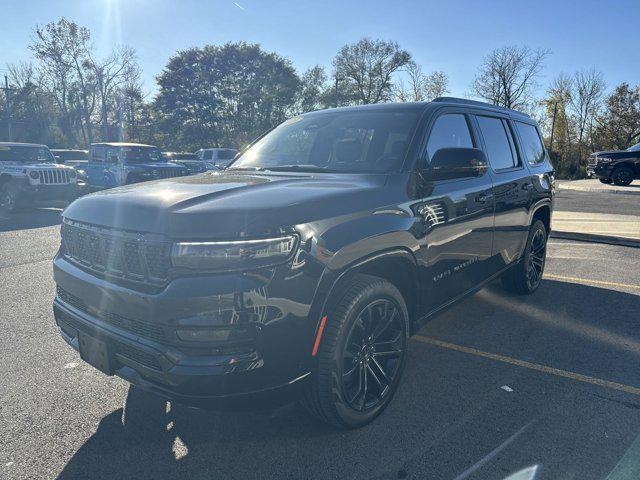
{"x":449,"y":131}
{"x":531,"y":145}
{"x":498,"y":142}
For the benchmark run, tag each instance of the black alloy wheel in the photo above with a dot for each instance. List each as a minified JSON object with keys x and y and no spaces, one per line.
{"x":525,"y":276}
{"x":622,"y":176}
{"x":372,"y":353}
{"x":536,"y":258}
{"x":8,"y":199}
{"x":361,"y":353}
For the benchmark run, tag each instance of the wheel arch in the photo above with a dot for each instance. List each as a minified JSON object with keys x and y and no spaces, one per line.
{"x":543,"y":213}
{"x":397,"y":265}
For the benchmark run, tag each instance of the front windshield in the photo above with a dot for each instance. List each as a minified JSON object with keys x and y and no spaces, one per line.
{"x":634,"y":148}
{"x":140,"y":155}
{"x":358,"y":141}
{"x":26,"y":154}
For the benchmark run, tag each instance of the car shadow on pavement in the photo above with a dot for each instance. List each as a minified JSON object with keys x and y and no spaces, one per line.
{"x":35,"y":218}
{"x":450,"y":411}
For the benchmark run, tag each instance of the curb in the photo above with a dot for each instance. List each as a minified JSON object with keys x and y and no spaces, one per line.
{"x":560,"y":186}
{"x":593,"y":238}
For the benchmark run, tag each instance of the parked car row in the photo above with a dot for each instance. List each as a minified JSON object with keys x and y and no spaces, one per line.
{"x":32,"y":173}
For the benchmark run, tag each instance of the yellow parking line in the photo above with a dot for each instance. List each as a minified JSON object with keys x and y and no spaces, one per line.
{"x":588,"y":280}
{"x":532,"y":366}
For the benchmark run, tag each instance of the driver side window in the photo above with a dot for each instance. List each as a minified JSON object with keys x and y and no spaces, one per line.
{"x":449,"y":131}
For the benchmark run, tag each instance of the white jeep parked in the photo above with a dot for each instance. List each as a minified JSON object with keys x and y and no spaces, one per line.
{"x":29,"y":174}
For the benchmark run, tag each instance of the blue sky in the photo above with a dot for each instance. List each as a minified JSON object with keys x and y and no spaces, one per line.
{"x":451,"y":35}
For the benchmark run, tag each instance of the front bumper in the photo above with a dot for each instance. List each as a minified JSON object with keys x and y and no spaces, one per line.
{"x":40,"y":193}
{"x":139,"y":331}
{"x":599,"y":171}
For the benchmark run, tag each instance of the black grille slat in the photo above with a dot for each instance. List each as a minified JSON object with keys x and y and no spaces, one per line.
{"x":128,"y":256}
{"x":138,"y":327}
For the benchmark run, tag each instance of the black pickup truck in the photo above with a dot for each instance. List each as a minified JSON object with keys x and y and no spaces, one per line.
{"x":620,"y":167}
{"x":301,"y":270}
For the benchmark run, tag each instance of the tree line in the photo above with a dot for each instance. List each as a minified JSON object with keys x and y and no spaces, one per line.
{"x":226,"y":95}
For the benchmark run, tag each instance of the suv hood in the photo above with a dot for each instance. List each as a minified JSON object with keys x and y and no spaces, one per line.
{"x":614,"y":153}
{"x":22,"y":167}
{"x":226,"y":205}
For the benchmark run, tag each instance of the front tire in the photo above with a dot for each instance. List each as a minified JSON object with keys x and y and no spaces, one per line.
{"x":622,"y":176}
{"x":8,"y":198}
{"x":525,"y":276}
{"x":362,"y":353}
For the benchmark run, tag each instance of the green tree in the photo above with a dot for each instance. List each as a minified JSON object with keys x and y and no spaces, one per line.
{"x":313,"y":93}
{"x":364,"y":70}
{"x":620,"y":121}
{"x":224,"y":95}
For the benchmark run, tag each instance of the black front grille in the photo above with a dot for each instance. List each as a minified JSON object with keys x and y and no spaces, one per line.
{"x":132,"y":352}
{"x":144,"y":329}
{"x":125,"y":255}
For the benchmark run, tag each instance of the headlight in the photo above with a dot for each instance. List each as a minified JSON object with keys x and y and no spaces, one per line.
{"x":33,"y":174}
{"x":155,"y":173}
{"x":233,"y":255}
{"x":604,"y":160}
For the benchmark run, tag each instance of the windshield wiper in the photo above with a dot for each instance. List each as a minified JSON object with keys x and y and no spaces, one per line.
{"x":300,"y":168}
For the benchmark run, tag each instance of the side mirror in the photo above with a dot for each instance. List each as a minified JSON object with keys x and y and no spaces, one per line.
{"x":450,"y":163}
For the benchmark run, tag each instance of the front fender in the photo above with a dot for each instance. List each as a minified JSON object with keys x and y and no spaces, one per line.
{"x":351,"y":245}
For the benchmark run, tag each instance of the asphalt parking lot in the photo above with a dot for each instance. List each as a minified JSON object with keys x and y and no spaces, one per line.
{"x":495,"y":385}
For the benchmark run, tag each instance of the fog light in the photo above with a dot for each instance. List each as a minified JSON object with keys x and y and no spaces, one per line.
{"x":201,"y":334}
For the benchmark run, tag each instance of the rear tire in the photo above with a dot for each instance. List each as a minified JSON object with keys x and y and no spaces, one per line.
{"x":361,"y":355}
{"x":622,"y":176}
{"x":605,"y":180}
{"x":525,"y":276}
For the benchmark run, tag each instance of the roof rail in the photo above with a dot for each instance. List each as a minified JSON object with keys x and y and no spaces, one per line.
{"x":466,"y":101}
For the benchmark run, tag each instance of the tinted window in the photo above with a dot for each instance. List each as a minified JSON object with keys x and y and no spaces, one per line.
{"x":449,"y":131}
{"x":498,"y":142}
{"x":353,"y":141}
{"x":531,"y":146}
{"x":207,"y":155}
{"x":22,"y":153}
{"x":226,"y":154}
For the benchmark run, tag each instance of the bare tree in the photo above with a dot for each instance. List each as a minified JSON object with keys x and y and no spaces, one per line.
{"x":111,"y":74}
{"x":586,"y":101}
{"x":366,"y":67}
{"x":420,"y":87}
{"x":435,"y":85}
{"x":508,"y":74}
{"x":63,"y":50}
